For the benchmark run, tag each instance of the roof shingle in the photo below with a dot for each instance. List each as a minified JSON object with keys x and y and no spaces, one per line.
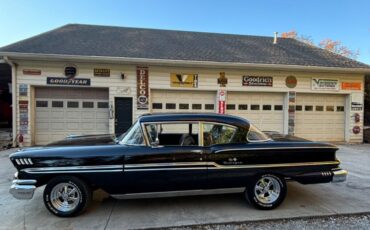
{"x":91,"y":40}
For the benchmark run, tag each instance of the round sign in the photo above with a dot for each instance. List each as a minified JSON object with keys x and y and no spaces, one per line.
{"x":291,"y":82}
{"x":70,"y":71}
{"x":356,"y":129}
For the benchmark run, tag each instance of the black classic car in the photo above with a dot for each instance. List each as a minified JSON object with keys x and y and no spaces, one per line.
{"x":175,"y":154}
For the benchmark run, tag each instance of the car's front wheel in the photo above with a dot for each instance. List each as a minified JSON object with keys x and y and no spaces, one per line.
{"x":67,"y":196}
{"x":266,"y":191}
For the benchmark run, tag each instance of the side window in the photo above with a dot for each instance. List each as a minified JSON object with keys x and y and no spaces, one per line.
{"x":217,"y":134}
{"x":172,"y":134}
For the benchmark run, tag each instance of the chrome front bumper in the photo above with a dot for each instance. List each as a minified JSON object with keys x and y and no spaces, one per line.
{"x":22,"y":189}
{"x":339,"y":175}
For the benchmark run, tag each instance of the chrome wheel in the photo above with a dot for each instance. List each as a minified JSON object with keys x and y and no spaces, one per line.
{"x":267,"y":190}
{"x":65,"y":197}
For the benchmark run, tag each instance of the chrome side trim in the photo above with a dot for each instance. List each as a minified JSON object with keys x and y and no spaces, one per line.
{"x":177,"y":193}
{"x":214,"y":165}
{"x":164,"y":164}
{"x":247,"y":149}
{"x":76,"y":169}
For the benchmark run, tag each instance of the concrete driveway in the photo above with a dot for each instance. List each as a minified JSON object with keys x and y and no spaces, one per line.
{"x":107,"y":213}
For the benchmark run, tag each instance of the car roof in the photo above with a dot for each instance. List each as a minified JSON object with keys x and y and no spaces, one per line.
{"x":207,"y":117}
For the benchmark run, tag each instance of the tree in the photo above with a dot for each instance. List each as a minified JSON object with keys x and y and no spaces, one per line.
{"x":303,"y":38}
{"x":337,"y":47}
{"x":327,"y":44}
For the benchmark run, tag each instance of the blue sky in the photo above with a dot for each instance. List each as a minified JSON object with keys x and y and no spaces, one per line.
{"x":344,"y":20}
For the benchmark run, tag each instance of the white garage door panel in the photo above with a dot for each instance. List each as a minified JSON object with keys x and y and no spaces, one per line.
{"x":267,"y":119}
{"x":74,"y":118}
{"x":184,"y":101}
{"x":314,"y":124}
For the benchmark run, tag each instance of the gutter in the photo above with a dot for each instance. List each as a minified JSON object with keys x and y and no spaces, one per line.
{"x":14,"y":98}
{"x":185,"y":63}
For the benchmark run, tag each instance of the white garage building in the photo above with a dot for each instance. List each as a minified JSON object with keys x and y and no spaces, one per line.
{"x":84,"y":79}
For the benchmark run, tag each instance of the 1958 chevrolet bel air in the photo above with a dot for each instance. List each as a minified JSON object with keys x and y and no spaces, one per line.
{"x":174,"y":154}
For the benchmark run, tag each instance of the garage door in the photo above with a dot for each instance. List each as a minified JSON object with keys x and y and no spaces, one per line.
{"x":182,"y":101}
{"x":265,"y":110}
{"x":61,"y":112}
{"x":320,"y":117}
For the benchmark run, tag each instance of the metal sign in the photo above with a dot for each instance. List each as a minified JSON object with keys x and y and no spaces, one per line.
{"x":221,"y":98}
{"x":184,"y":80}
{"x":356,"y":101}
{"x":23,"y":90}
{"x":68,"y":81}
{"x":291,"y":82}
{"x":257,"y":81}
{"x":325,"y":84}
{"x":101,"y":72}
{"x":31,"y":71}
{"x":351,"y":85}
{"x":70,"y":71}
{"x":142,"y":82}
{"x":291,"y":112}
{"x":222,"y":80}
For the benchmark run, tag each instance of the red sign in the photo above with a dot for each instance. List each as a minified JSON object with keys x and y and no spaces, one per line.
{"x":31,"y":71}
{"x":221,"y":101}
{"x":351,"y":85}
{"x":142,"y":82}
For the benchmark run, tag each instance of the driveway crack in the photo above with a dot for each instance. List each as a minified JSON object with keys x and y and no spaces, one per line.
{"x":110,"y":214}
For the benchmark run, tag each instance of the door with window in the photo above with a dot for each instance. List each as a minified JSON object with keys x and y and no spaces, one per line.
{"x":172,"y":161}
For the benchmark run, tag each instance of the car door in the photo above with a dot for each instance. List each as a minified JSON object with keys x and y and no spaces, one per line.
{"x":226,"y":154}
{"x":166,"y":167}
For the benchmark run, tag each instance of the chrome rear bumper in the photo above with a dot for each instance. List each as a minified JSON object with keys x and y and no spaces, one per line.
{"x":22,"y":189}
{"x":339,"y":176}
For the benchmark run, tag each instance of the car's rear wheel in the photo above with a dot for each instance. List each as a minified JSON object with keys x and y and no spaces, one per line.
{"x":266,"y":191}
{"x":67,"y":196}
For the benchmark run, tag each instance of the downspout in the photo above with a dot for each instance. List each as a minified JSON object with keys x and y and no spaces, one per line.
{"x":14,"y":98}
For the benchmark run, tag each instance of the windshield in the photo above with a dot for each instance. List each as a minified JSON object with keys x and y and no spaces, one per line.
{"x":134,"y":136}
{"x":255,"y":135}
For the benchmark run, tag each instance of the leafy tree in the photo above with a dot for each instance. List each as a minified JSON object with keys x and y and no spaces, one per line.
{"x":328,"y":44}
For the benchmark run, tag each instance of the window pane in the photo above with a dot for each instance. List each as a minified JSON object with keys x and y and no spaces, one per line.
{"x":57,"y":104}
{"x":340,"y":108}
{"x":255,"y":107}
{"x":170,"y":106}
{"x":157,"y":106}
{"x":243,"y":107}
{"x":298,"y":108}
{"x":72,"y":104}
{"x":103,"y":105}
{"x":184,"y":106}
{"x":279,"y":107}
{"x":319,"y":108}
{"x":196,"y":106}
{"x":209,"y":106}
{"x":266,"y":107}
{"x":88,"y":104}
{"x":330,"y":108}
{"x":217,"y":134}
{"x":41,"y":103}
{"x":184,"y":134}
{"x":255,"y":135}
{"x":308,"y":108}
{"x":134,"y":136}
{"x":230,"y":107}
